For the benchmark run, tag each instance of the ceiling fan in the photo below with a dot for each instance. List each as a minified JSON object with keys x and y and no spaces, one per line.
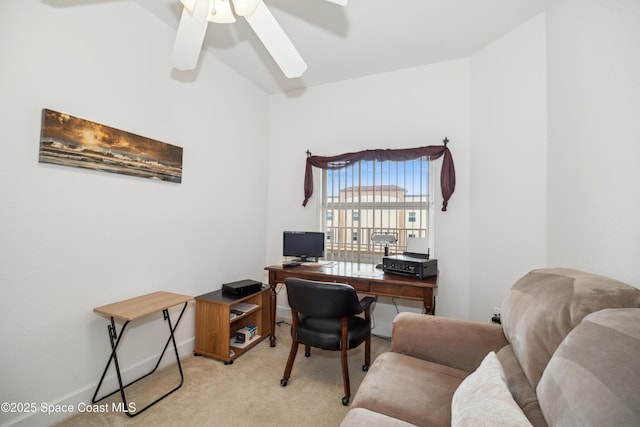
{"x":196,"y":15}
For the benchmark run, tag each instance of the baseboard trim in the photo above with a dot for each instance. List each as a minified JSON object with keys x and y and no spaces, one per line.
{"x":283,"y":313}
{"x":83,"y":395}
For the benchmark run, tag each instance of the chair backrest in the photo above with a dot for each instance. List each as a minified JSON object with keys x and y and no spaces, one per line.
{"x":322,"y":299}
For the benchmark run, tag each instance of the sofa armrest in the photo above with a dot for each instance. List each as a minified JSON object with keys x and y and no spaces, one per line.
{"x":460,"y":344}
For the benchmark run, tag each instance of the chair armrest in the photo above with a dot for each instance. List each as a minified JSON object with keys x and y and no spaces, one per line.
{"x":460,"y":344}
{"x":366,"y":302}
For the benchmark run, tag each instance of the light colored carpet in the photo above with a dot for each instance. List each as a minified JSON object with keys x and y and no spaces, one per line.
{"x":245,"y":393}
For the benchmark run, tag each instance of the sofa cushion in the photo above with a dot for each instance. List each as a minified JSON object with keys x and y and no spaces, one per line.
{"x":521,"y":390}
{"x":483,"y":399}
{"x":545,"y":305}
{"x":593,"y":379}
{"x":410,"y":389}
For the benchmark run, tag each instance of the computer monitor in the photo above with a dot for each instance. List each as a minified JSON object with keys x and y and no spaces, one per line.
{"x":303,"y":244}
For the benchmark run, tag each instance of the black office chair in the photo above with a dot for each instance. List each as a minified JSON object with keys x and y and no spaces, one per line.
{"x":324,"y":315}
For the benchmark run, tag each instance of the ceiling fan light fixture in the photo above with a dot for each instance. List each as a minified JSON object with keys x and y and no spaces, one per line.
{"x":189,"y":4}
{"x":245,"y":7}
{"x":193,"y":26}
{"x":220,"y":12}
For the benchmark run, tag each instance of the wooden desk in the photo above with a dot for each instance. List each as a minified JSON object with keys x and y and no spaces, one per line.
{"x":363,"y":277}
{"x":126,"y":311}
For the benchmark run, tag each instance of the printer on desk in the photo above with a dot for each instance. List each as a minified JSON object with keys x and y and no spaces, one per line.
{"x":410,"y":265}
{"x":413,"y":262}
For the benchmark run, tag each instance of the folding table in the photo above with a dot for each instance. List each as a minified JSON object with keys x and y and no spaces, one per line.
{"x":131,"y":309}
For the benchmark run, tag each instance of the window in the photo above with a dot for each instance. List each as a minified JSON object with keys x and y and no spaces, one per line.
{"x":375,"y":197}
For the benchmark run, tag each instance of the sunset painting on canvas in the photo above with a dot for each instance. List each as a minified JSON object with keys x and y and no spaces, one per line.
{"x":71,"y":141}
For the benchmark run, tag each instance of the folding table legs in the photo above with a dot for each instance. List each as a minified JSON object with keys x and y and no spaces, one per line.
{"x":115,"y":338}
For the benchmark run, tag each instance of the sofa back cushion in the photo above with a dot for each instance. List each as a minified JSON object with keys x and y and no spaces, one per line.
{"x":593,"y":379}
{"x":546,"y":304}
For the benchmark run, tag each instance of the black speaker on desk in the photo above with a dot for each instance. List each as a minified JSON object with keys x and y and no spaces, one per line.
{"x":241,"y":287}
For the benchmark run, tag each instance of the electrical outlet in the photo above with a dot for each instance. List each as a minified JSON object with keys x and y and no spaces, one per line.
{"x":495,"y":318}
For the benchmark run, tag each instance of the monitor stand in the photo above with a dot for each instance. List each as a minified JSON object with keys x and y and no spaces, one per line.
{"x":305,"y":259}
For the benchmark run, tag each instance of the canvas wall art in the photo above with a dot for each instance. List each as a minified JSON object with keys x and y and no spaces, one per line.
{"x":71,"y":141}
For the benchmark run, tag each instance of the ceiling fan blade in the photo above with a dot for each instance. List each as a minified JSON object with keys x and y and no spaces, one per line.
{"x":189,"y":4}
{"x":276,"y":41}
{"x":340,"y":2}
{"x":191,"y":31}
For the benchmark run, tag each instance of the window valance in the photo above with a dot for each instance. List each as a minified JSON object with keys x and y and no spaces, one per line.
{"x":432,"y":152}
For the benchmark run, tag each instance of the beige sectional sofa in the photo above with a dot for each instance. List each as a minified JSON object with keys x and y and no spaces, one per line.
{"x":567,"y":354}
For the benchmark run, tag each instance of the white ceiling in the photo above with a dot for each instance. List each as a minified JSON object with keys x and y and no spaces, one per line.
{"x":365,"y":37}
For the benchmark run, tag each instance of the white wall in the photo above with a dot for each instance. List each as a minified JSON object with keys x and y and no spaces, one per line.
{"x":594,"y":136}
{"x":72,"y":239}
{"x":403,"y":109}
{"x":493,"y":108}
{"x":508,"y":164}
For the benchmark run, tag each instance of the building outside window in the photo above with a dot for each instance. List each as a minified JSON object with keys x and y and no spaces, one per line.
{"x":371,"y":197}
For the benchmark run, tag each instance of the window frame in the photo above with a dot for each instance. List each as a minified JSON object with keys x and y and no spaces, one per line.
{"x":361,"y":249}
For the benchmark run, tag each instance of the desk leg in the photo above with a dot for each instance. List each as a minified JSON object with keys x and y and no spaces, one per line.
{"x":274,"y":302}
{"x":115,"y":342}
{"x":429,"y":302}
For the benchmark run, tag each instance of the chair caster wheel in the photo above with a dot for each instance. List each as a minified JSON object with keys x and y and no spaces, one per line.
{"x":230,"y":362}
{"x":365,"y":368}
{"x":283,"y":382}
{"x":345,"y":401}
{"x":307,"y":354}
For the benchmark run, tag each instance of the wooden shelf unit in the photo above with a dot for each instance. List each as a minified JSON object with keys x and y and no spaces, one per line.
{"x":215,"y":328}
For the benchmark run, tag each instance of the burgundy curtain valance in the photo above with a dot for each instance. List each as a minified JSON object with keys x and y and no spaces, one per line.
{"x":432,"y":152}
